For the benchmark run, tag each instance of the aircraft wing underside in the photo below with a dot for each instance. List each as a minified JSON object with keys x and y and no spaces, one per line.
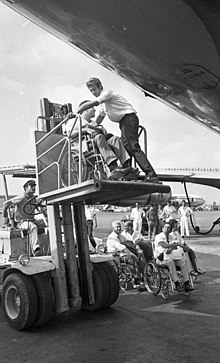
{"x":168,"y":48}
{"x":195,"y":176}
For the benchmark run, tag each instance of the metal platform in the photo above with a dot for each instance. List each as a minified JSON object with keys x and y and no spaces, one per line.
{"x":103,"y":191}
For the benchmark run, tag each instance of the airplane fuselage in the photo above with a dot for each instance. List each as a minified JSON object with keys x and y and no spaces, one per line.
{"x":170,"y":49}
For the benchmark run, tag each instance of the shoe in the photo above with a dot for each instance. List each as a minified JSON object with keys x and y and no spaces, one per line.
{"x":123,"y":170}
{"x":134,"y":170}
{"x":179,"y":289}
{"x":189,"y":288}
{"x":194,"y":273}
{"x":199,"y":272}
{"x":37,"y":252}
{"x":152,"y":179}
{"x":142,"y":288}
{"x":119,"y":172}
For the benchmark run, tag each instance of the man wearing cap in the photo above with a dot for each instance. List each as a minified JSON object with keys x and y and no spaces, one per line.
{"x":22,"y":218}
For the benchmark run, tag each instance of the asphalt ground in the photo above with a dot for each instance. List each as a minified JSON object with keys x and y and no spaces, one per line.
{"x":140,"y":327}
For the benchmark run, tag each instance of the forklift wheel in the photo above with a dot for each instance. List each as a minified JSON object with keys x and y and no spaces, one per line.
{"x":113,"y":282}
{"x":19,"y":301}
{"x":101,"y":289}
{"x":45,"y":298}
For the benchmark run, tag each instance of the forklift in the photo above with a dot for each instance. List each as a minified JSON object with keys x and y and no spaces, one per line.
{"x":69,"y":277}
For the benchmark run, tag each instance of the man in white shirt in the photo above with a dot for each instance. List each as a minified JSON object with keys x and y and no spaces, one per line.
{"x":91,"y":221}
{"x":169,"y":212}
{"x":119,"y":110}
{"x":116,"y":242}
{"x":136,"y":215}
{"x":163,"y":248}
{"x":109,"y":146}
{"x":184,"y":211}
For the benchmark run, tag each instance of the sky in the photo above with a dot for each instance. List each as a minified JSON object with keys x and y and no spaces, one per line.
{"x":35,"y":64}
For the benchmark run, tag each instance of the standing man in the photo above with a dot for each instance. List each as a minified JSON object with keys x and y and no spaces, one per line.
{"x":184,"y":211}
{"x":120,"y":111}
{"x":23,"y":219}
{"x":136,"y":215}
{"x":160,"y":219}
{"x":91,"y":221}
{"x":109,"y":146}
{"x":169,"y":212}
{"x":152,"y":220}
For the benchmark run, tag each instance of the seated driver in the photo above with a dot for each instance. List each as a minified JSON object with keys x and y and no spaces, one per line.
{"x":22,"y":218}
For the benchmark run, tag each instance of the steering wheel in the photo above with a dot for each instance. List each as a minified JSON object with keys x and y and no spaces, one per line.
{"x":32,"y":208}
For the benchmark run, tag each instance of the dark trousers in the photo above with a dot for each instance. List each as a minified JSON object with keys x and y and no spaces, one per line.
{"x":192,"y":257}
{"x":89,"y":223}
{"x":129,"y":138}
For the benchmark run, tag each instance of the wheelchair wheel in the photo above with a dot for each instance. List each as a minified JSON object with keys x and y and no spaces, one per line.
{"x":152,"y":278}
{"x":125,"y":277}
{"x":165,"y":289}
{"x":74,"y":168}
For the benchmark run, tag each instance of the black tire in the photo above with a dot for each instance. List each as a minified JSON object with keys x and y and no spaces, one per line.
{"x":19,"y":301}
{"x":45,"y":298}
{"x":165,"y":289}
{"x":101,"y":289}
{"x":152,"y":278}
{"x":74,"y":168}
{"x":113,"y":281}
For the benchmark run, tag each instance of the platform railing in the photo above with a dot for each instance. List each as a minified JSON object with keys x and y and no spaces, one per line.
{"x":66,"y":140}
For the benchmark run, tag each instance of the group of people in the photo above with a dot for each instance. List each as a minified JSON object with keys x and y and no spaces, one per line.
{"x":116,"y":152}
{"x":184,"y":211}
{"x":156,"y":216}
{"x":168,"y":248}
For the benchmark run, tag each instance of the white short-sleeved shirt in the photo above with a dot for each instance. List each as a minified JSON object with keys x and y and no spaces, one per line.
{"x":184,"y":211}
{"x":114,"y":242}
{"x":161,"y":237}
{"x":137,"y":213}
{"x":70,"y":123}
{"x":114,"y":105}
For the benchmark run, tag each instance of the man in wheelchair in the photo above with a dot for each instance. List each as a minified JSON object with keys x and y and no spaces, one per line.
{"x":171,"y":255}
{"x":109,"y":146}
{"x":118,"y":244}
{"x":23,"y":215}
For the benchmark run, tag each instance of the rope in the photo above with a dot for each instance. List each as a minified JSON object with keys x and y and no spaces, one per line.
{"x":196,"y":228}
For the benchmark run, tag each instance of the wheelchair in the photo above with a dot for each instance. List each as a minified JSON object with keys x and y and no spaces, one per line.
{"x":157,"y":279}
{"x":92,"y":163}
{"x":126,"y":268}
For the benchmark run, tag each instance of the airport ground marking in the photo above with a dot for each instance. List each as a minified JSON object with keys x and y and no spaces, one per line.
{"x":172,"y":308}
{"x":215,"y":281}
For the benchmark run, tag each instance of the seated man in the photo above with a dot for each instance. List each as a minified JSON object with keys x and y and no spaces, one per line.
{"x":139,"y":241}
{"x":190,"y":254}
{"x":24,"y":220}
{"x":116,"y":242}
{"x":142,"y":246}
{"x":163,"y":248}
{"x":109,"y":146}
